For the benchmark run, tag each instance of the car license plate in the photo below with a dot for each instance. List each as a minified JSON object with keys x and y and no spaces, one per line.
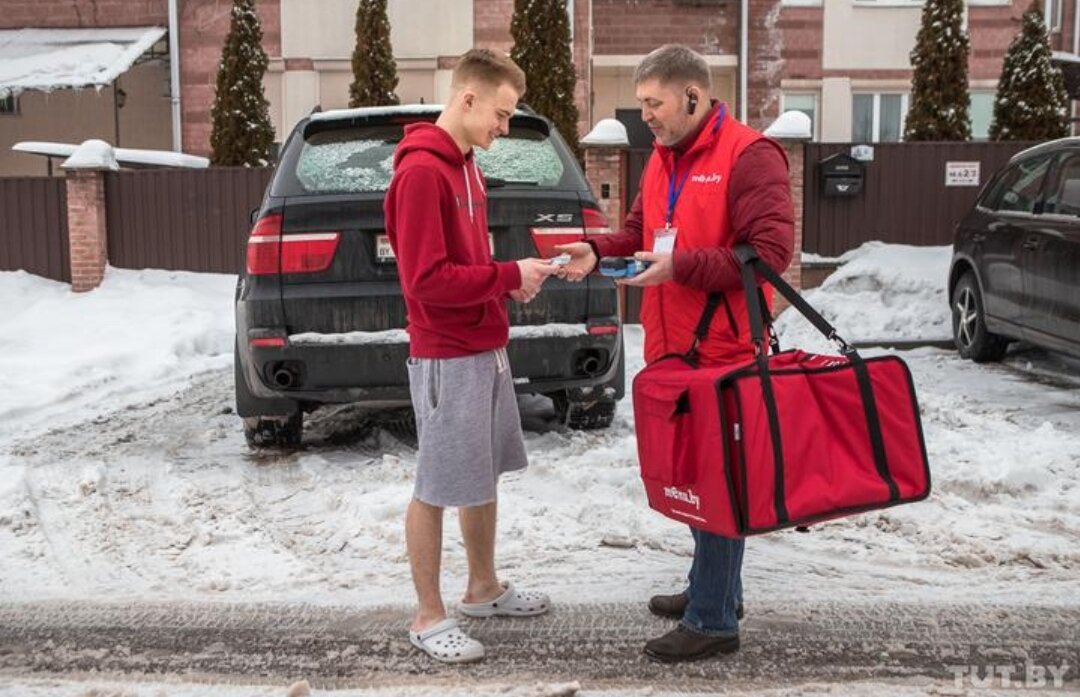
{"x":384,"y":253}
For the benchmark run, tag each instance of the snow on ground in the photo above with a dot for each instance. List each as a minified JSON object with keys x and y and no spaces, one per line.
{"x":880,"y":292}
{"x":124,"y":474}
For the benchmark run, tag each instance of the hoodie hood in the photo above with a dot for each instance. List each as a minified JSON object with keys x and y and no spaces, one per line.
{"x":428,"y":137}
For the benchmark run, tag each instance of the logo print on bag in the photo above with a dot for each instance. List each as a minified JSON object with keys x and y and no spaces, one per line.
{"x":684,"y":496}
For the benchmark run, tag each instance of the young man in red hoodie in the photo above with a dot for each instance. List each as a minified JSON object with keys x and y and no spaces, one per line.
{"x":711,"y":183}
{"x":459,"y":375}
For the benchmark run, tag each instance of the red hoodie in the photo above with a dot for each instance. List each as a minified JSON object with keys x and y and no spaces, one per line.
{"x":436,"y":218}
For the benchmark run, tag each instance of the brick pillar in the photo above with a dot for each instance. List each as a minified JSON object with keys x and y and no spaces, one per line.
{"x":87,"y":239}
{"x":794,"y":149}
{"x":605,"y":168}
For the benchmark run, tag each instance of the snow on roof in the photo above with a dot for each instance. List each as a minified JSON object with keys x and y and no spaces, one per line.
{"x":129,"y":156}
{"x":791,"y":124}
{"x":607,"y":132}
{"x":92,"y":154}
{"x":1065,"y":57}
{"x":50,"y":59}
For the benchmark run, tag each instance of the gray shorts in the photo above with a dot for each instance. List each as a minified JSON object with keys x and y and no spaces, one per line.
{"x":468,"y":426}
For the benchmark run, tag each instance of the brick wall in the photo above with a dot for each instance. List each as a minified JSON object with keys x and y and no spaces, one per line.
{"x":605,"y":168}
{"x":766,"y":63}
{"x":87,"y":239}
{"x":635,"y":27}
{"x":83,"y":13}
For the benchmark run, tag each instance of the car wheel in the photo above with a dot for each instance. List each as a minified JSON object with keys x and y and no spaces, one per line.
{"x":274,"y":431}
{"x":583,"y":416}
{"x":970,"y":334}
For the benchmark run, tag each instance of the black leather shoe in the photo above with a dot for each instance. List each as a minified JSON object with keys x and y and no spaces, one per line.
{"x":682,"y":644}
{"x":674,"y":606}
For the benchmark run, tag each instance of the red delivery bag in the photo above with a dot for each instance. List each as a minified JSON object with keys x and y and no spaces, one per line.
{"x":783,"y":440}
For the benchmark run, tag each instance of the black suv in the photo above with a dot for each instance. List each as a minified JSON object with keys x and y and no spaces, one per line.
{"x":319,"y":313}
{"x":1016,"y":257}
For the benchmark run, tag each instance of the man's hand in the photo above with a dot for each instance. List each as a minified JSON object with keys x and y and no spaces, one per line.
{"x":519,"y":297}
{"x":660,"y":269}
{"x":582,"y":260}
{"x":533,"y":274}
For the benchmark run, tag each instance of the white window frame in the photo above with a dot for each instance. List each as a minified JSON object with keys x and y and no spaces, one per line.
{"x":875,"y":130}
{"x":801,"y":3}
{"x":784,"y":94}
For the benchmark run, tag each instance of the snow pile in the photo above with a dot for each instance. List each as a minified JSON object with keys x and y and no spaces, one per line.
{"x":141,"y":335}
{"x":881,"y":293}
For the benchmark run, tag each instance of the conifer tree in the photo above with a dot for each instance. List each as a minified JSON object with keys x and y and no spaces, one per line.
{"x":940,"y":102}
{"x":374,"y":71}
{"x":242,"y":134}
{"x":1031,"y":102}
{"x":543,"y":49}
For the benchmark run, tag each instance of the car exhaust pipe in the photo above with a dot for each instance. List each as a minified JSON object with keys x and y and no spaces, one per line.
{"x":590,"y":365}
{"x":284,"y":377}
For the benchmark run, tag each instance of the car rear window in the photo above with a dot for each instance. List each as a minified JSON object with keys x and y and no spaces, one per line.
{"x":360,"y":159}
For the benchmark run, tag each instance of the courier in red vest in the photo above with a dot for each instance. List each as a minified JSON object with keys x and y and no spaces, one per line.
{"x":711,"y":183}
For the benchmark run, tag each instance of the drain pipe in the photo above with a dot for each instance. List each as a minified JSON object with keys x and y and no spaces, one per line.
{"x":744,"y":53}
{"x":174,"y":74}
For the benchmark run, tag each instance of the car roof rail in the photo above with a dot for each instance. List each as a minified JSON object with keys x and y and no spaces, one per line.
{"x":315,"y":109}
{"x":522,"y":106}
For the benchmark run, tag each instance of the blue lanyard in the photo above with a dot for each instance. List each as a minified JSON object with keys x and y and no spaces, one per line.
{"x":675,"y":190}
{"x":675,"y":186}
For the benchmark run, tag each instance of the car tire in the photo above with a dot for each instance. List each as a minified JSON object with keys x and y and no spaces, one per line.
{"x":973,"y":340}
{"x":270,"y":429}
{"x":583,"y":416}
{"x":274,"y":431}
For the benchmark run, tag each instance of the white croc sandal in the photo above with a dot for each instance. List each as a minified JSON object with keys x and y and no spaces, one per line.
{"x":512,"y":603}
{"x":447,"y":642}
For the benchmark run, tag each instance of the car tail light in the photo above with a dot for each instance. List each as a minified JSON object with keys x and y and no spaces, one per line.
{"x":267,"y":342}
{"x":546,"y":238}
{"x":270,"y":252}
{"x":603,"y":329}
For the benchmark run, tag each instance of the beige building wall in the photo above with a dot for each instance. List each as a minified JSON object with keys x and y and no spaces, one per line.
{"x":317,"y":42}
{"x":72,"y":116}
{"x":868,"y":35}
{"x":835,"y":106}
{"x":613,"y":83}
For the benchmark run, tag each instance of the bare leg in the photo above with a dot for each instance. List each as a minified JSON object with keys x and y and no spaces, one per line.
{"x":423,"y":540}
{"x":478,"y":532}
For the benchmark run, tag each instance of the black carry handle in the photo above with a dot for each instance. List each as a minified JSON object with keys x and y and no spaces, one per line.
{"x":750,"y":263}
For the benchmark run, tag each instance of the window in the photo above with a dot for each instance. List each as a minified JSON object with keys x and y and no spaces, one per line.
{"x":9,"y":104}
{"x":1064,"y":197}
{"x":1019,"y":187}
{"x":1052,"y":13}
{"x":982,"y":113}
{"x":362,"y":159}
{"x":878,"y":118}
{"x":806,"y":103}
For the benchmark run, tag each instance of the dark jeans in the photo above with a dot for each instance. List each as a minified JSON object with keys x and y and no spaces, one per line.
{"x":715,"y":584}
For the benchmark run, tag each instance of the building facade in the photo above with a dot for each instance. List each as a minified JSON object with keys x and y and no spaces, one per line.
{"x":844,"y":62}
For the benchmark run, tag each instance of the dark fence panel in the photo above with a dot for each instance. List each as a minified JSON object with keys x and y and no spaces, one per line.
{"x":904,"y":199}
{"x":189,"y":220}
{"x":33,"y":227}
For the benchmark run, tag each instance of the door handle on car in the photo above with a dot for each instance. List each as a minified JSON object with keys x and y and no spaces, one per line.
{"x":978,"y":237}
{"x":1032,"y":243}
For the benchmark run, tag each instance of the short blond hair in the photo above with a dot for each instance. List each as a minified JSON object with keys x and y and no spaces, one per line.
{"x":488,"y":67}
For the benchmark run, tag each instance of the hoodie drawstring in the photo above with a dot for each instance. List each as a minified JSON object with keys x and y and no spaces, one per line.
{"x":468,"y":192}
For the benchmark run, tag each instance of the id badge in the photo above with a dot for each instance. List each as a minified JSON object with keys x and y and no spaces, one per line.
{"x":664,"y":240}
